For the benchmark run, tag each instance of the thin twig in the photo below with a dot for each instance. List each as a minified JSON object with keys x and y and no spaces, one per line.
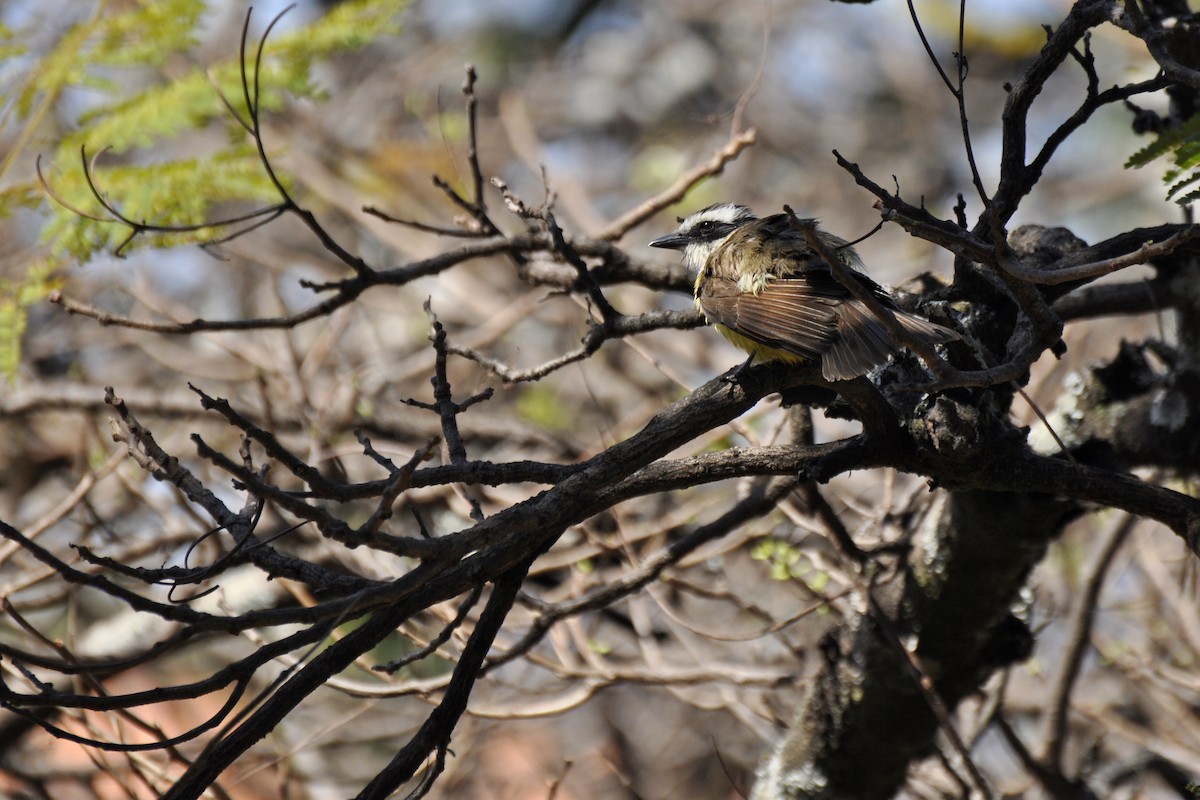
{"x":738,"y":142}
{"x":1078,"y":642}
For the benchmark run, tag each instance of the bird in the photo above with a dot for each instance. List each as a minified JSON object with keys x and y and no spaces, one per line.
{"x":771,"y":294}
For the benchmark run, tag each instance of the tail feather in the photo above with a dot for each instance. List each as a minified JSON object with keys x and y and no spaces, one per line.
{"x":862,"y":342}
{"x":928,"y":332}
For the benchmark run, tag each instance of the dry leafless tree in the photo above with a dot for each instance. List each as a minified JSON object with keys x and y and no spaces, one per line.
{"x":549,"y":520}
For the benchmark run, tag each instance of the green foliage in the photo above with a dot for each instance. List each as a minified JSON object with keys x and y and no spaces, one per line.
{"x":174,"y":193}
{"x":191,"y":102}
{"x":96,"y":55}
{"x":142,"y":36}
{"x":599,"y":647}
{"x":15,"y":298}
{"x":787,"y":561}
{"x":10,"y":43}
{"x":1182,"y":145}
{"x":541,"y":406}
{"x":179,"y":191}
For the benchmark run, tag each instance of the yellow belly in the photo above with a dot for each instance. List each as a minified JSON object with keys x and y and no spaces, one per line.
{"x":760,"y":351}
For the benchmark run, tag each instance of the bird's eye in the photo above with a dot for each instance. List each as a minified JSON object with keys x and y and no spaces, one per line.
{"x":706,"y":225}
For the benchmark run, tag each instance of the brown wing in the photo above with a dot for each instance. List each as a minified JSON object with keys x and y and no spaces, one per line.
{"x":793,"y":314}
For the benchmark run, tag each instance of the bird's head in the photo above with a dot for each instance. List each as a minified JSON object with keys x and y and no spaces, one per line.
{"x":700,"y":233}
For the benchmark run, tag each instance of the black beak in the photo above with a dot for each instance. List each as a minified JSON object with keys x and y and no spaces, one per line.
{"x":672,"y":241}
